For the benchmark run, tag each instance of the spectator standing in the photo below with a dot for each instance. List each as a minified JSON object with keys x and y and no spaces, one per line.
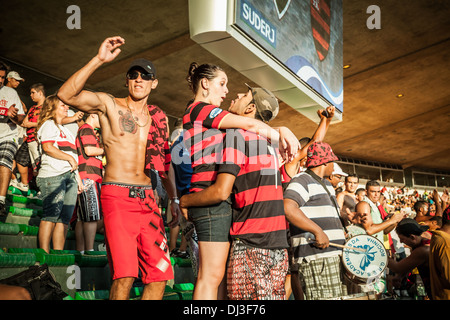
{"x":374,"y":224}
{"x":182,"y":171}
{"x":258,"y":260}
{"x":181,"y":163}
{"x":203,"y":120}
{"x":347,"y":198}
{"x":90,"y":168}
{"x":11,"y":116}
{"x":13,"y":80}
{"x":29,"y":153}
{"x":313,"y":215}
{"x":58,"y":178}
{"x":131,"y":128}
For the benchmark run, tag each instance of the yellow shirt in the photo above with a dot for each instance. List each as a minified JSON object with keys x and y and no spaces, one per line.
{"x":440,"y":265}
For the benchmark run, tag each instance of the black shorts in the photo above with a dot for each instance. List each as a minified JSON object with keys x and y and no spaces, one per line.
{"x":23,"y":156}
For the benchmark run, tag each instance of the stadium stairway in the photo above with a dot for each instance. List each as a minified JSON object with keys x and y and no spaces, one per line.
{"x":82,"y":276}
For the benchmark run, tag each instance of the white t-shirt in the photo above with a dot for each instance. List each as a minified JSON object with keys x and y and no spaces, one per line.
{"x":73,"y":126}
{"x":8,"y":129}
{"x":62,"y":139}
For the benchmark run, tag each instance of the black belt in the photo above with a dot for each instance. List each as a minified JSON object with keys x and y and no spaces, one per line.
{"x":135,"y":191}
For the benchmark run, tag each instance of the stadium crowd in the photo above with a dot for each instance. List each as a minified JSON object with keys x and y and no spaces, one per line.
{"x":263,"y":215}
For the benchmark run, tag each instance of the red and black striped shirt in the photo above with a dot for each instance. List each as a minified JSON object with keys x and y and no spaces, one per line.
{"x":258,"y":210}
{"x":33,"y":116}
{"x":204,"y":141}
{"x":89,"y":167}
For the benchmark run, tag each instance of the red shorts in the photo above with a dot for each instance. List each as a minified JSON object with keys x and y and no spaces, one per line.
{"x":135,"y":233}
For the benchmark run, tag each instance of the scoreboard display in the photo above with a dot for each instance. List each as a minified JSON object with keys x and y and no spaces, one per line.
{"x":293,"y":48}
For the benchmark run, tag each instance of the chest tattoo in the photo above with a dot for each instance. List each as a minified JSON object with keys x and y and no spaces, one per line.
{"x":126,"y":122}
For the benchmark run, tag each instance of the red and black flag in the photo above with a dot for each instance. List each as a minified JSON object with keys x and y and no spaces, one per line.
{"x":320,"y":25}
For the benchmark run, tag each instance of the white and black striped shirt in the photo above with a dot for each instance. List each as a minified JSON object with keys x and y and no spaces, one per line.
{"x":319,"y":206}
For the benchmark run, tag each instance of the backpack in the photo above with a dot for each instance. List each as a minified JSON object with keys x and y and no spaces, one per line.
{"x":39,"y":281}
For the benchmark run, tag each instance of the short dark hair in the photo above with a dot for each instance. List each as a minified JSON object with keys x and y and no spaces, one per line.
{"x":420,"y":204}
{"x":359,"y":190}
{"x":351,"y":175}
{"x":372,"y":183}
{"x":38,"y":87}
{"x":438,"y":220}
{"x":304,"y":141}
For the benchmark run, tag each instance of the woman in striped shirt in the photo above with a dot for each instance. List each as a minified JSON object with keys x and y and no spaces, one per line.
{"x":58,"y":178}
{"x":205,"y":123}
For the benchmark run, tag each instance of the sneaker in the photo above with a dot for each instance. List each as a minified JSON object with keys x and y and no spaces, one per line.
{"x":22,"y":187}
{"x":14,"y":183}
{"x":176,"y":253}
{"x":184,"y":255}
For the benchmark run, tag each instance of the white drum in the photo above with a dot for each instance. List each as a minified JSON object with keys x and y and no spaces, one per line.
{"x":367,"y":263}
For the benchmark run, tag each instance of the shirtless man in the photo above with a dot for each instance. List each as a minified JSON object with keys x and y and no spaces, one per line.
{"x":134,"y":135}
{"x":347,"y":198}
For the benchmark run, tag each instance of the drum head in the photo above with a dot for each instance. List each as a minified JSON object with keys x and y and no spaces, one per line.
{"x":368,"y":264}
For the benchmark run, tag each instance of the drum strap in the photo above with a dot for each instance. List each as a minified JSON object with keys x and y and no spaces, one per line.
{"x":333,"y":199}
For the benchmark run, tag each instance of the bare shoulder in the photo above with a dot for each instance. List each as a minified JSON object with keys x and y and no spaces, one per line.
{"x":107,"y":99}
{"x":341,"y":195}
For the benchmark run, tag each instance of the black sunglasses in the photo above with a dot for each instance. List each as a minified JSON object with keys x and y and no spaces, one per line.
{"x":133,"y":75}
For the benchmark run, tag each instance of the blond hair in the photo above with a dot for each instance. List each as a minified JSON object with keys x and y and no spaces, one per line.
{"x":48,"y":110}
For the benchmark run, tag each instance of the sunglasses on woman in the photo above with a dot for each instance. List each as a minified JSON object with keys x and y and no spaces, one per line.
{"x":133,"y":75}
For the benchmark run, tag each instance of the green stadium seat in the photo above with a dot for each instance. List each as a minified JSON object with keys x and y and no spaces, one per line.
{"x":25,"y":212}
{"x":52,"y":259}
{"x":92,"y":295}
{"x":9,"y":228}
{"x":29,"y":230}
{"x":13,"y":260}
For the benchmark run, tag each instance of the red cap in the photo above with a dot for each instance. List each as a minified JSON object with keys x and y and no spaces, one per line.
{"x":319,"y":153}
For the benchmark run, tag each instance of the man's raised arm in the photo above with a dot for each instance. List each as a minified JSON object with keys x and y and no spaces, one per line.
{"x":72,"y":93}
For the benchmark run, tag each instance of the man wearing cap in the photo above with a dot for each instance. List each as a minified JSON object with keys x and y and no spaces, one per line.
{"x":13,"y":81}
{"x":258,"y":260}
{"x":135,"y":137}
{"x":312,"y":211}
{"x":336,"y":176}
{"x":11,"y":116}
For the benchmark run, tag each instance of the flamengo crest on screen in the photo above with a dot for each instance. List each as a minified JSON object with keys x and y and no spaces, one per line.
{"x":320,"y":26}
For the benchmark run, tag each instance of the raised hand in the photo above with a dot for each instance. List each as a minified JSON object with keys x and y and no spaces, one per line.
{"x":109,"y":49}
{"x":289,"y":144}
